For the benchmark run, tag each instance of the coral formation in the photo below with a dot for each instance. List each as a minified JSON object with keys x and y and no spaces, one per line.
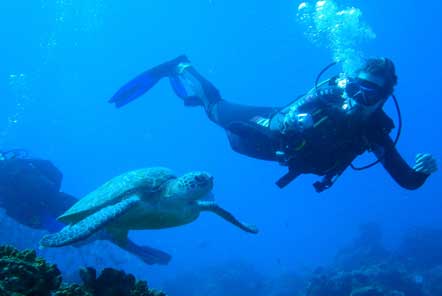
{"x":25,"y":274}
{"x":366,"y":268}
{"x":363,"y":268}
{"x":381,"y":279}
{"x":112,"y":282}
{"x":365,"y":249}
{"x":72,"y":290}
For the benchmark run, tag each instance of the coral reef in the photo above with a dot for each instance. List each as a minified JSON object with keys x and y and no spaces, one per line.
{"x":366,"y":268}
{"x":381,"y":279}
{"x":365,"y":249}
{"x":113,"y":282}
{"x":72,"y":290}
{"x":25,"y":274}
{"x":363,"y":268}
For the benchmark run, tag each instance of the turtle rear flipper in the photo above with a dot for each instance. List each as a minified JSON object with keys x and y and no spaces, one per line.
{"x":214,"y":208}
{"x":88,"y":226}
{"x":147,"y":254}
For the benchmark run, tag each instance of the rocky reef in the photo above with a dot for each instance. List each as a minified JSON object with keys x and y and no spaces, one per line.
{"x":22,"y":273}
{"x":375,"y":280}
{"x":363,"y":267}
{"x":366,"y":268}
{"x":113,"y":282}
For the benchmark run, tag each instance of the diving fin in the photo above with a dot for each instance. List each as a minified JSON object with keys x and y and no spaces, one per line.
{"x":145,"y":81}
{"x":180,"y":90}
{"x":178,"y":86}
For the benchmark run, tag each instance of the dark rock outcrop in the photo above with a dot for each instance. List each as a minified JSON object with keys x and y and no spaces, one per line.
{"x":22,"y":273}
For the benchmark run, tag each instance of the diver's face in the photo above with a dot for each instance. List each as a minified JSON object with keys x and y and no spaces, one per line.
{"x":374,"y":80}
{"x":368,"y":91}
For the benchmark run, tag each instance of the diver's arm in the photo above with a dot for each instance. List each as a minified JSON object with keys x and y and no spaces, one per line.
{"x":396,"y":166}
{"x":296,"y":116}
{"x":289,"y":119}
{"x":279,"y":122}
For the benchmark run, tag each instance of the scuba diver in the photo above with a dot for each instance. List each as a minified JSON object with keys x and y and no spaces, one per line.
{"x":321,"y":132}
{"x":30,"y":194}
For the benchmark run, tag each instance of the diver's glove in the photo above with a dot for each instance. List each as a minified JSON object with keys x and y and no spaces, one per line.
{"x":425,"y":163}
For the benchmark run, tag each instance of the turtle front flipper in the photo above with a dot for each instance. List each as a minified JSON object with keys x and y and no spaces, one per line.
{"x":214,"y":208}
{"x":88,"y":226}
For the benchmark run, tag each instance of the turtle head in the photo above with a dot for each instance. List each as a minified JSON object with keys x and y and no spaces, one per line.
{"x":191,"y":186}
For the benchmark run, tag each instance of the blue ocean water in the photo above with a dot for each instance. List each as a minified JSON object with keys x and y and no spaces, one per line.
{"x":61,"y":60}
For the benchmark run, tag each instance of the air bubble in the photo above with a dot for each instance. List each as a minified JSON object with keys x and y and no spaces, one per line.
{"x":340,"y":30}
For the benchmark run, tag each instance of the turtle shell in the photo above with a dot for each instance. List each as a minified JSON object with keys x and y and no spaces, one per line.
{"x":116,"y":189}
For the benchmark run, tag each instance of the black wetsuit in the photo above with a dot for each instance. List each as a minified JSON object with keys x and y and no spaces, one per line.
{"x":325,"y":150}
{"x":337,"y":137}
{"x":30,"y":192}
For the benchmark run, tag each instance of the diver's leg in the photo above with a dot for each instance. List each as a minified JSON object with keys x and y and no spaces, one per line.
{"x":192,"y":88}
{"x":225,"y":114}
{"x":247,"y":127}
{"x":196,"y":90}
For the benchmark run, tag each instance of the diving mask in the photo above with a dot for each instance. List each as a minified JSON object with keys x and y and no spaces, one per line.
{"x":365,"y":92}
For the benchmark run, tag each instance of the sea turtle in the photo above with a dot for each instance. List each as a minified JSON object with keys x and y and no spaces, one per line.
{"x":149,"y":198}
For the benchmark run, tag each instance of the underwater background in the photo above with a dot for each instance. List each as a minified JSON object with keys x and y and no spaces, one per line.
{"x":61,"y":60}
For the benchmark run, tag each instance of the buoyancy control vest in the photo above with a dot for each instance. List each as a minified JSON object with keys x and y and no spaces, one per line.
{"x":334,"y":139}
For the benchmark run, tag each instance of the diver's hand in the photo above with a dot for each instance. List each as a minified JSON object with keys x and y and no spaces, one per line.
{"x":296,"y":121}
{"x":288,"y":123}
{"x":425,"y":163}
